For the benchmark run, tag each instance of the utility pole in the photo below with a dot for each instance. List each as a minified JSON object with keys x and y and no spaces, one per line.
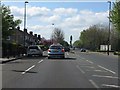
{"x":109,"y":27}
{"x":24,"y":21}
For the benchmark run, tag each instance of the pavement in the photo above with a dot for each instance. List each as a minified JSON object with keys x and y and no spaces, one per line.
{"x":5,"y":60}
{"x":110,"y":54}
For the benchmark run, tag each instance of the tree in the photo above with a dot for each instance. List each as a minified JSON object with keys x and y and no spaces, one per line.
{"x":93,"y":37}
{"x":8,"y":22}
{"x":77,"y":44}
{"x":57,"y":35}
{"x":115,"y":15}
{"x":64,"y":43}
{"x":115,"y":18}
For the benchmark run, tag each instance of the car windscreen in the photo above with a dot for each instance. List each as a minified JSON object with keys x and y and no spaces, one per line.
{"x":56,"y":47}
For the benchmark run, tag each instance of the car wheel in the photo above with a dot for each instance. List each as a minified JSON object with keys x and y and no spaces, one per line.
{"x":29,"y":55}
{"x":63,"y":57}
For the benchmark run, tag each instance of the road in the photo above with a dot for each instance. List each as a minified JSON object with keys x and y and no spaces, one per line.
{"x":77,"y":70}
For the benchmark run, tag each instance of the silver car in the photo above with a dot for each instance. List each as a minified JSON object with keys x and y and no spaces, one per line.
{"x":34,"y":50}
{"x":56,"y":51}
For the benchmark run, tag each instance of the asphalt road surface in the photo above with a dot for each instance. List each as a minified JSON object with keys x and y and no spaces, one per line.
{"x":77,"y":70}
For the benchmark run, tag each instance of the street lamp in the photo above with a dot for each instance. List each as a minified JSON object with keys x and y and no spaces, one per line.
{"x":109,"y":27}
{"x":25,"y":20}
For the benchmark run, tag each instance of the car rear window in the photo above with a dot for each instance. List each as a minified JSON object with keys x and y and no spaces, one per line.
{"x":56,"y":47}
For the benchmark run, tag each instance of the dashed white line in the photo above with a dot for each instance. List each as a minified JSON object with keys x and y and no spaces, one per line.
{"x":96,"y":70}
{"x":107,"y":69}
{"x":105,"y":76}
{"x":89,"y":61}
{"x":87,"y":66}
{"x":114,"y":86}
{"x":28,"y":69}
{"x":40,"y":61}
{"x":80,"y":69}
{"x":94,"y":84}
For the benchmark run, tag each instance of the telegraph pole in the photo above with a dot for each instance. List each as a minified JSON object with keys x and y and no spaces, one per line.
{"x":109,"y":27}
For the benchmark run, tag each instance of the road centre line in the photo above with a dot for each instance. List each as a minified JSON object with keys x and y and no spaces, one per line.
{"x":94,"y":84}
{"x":105,"y":76}
{"x":114,"y":86}
{"x":40,"y":61}
{"x":80,"y":69}
{"x":28,"y":69}
{"x":107,"y":69}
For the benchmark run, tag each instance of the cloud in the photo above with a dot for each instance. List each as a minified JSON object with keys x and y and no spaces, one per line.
{"x":31,"y":11}
{"x":50,"y":19}
{"x":37,"y":11}
{"x":65,"y":12}
{"x":17,"y":11}
{"x":71,"y":20}
{"x":44,"y":31}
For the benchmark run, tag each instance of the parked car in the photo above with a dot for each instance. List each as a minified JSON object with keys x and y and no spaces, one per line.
{"x":56,"y":51}
{"x":67,"y":49}
{"x":34,"y":50}
{"x":83,"y":50}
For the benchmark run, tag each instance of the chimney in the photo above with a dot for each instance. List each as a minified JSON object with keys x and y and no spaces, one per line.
{"x":31,"y":33}
{"x":25,"y":30}
{"x":39,"y":37}
{"x":35,"y":35}
{"x":18,"y":28}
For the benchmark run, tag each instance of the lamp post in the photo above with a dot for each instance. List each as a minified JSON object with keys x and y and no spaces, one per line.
{"x":109,"y":27}
{"x":25,"y":21}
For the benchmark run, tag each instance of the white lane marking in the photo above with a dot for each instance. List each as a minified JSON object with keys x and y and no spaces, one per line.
{"x":89,"y":61}
{"x":105,"y":76}
{"x":28,"y":69}
{"x":114,"y":86}
{"x":94,"y":84}
{"x":87,"y":66}
{"x":80,"y":69}
{"x":107,"y":69}
{"x":99,"y":71}
{"x":40,"y":61}
{"x":96,"y":70}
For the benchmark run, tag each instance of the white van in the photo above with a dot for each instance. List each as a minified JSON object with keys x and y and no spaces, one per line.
{"x":34,"y":50}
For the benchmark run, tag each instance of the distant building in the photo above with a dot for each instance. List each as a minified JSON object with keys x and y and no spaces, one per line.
{"x":30,"y":39}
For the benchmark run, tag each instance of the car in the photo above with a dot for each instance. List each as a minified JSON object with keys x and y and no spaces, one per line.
{"x":83,"y":50}
{"x":56,"y":51}
{"x":67,"y":49}
{"x":34,"y":50}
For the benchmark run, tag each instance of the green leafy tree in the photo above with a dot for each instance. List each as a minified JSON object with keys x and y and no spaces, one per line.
{"x":64,"y":43}
{"x":8,"y":22}
{"x":115,"y":18}
{"x":77,"y":44}
{"x":93,"y":37}
{"x":115,"y":15}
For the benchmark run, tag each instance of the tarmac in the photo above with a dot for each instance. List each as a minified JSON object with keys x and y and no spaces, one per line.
{"x":5,"y":60}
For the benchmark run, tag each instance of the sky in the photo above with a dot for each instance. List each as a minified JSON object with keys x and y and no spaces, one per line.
{"x":72,"y":17}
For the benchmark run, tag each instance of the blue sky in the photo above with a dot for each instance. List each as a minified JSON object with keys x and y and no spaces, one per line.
{"x":71,"y":17}
{"x":95,"y":6}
